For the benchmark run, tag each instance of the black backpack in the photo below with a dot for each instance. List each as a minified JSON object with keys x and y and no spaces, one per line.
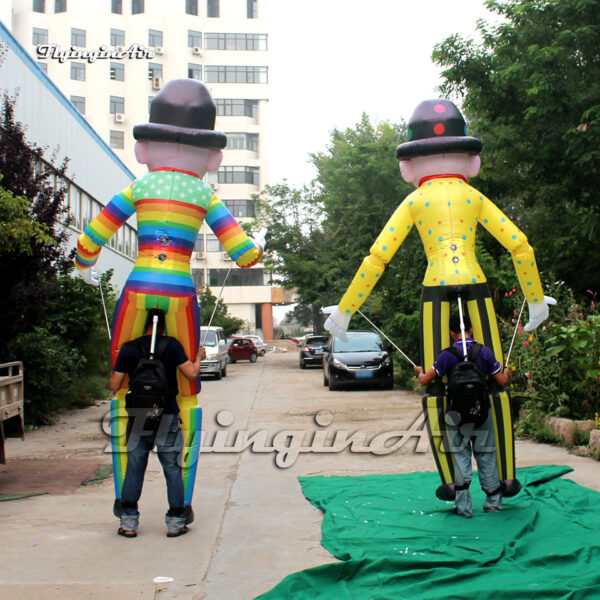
{"x":467,"y":387}
{"x":148,"y":385}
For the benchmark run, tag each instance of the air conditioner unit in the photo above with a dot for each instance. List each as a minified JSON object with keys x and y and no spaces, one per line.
{"x":119,"y":118}
{"x":197,"y":50}
{"x":226,"y":256}
{"x":200,"y":255}
{"x":156,"y":83}
{"x":159,"y":50}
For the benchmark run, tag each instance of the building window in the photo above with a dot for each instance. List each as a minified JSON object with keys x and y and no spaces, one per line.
{"x":79,"y":103}
{"x":238,"y":175}
{"x":212,"y":8}
{"x":240,"y":208}
{"x":78,"y":37}
{"x":198,"y":278}
{"x":137,"y":7}
{"x":60,"y":6}
{"x":194,"y":71}
{"x":191,"y":7}
{"x":117,"y":139}
{"x":213,"y":244}
{"x":78,"y":71}
{"x":117,"y":37}
{"x":117,"y":105}
{"x":199,"y":243}
{"x":236,"y":74}
{"x":237,"y":277}
{"x":43,"y":66}
{"x":236,"y":41}
{"x":155,"y":38}
{"x":39,"y":6}
{"x":40,"y":36}
{"x":242,"y":141}
{"x":154,"y":70}
{"x":75,"y":206}
{"x":194,"y":39}
{"x":116,"y":6}
{"x":252,"y":9}
{"x":117,"y":71}
{"x":237,"y":108}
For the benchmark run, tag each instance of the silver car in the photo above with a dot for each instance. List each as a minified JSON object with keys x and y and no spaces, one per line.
{"x":259,"y":343}
{"x":214,"y":341}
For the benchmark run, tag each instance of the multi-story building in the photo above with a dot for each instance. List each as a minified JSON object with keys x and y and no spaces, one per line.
{"x":111,"y":57}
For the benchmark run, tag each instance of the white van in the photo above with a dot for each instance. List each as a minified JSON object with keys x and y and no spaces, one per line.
{"x":215,"y":342}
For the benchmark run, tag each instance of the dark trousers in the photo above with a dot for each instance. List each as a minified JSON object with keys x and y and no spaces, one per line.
{"x":140,"y":441}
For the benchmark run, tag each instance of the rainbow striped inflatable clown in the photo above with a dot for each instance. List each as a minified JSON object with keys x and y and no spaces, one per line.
{"x":171,"y":202}
{"x":446,"y":210}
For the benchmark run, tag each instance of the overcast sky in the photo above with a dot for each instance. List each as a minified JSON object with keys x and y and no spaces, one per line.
{"x":332,"y":60}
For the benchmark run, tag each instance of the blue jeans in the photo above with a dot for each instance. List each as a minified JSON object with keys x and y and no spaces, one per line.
{"x":466,"y":442}
{"x":169,"y":443}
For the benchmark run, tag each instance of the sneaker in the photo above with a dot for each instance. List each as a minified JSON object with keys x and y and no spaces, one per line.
{"x":464,"y":515}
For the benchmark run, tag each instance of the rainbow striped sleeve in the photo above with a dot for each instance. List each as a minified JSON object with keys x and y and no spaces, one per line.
{"x":237,"y":244}
{"x":103,"y":227}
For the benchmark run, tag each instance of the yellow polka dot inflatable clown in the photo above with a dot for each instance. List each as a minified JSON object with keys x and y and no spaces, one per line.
{"x":171,"y":201}
{"x":438,"y":159}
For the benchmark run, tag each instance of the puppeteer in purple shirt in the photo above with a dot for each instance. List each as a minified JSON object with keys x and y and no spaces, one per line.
{"x":486,"y":360}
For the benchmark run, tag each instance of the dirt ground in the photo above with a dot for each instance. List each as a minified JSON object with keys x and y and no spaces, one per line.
{"x":253,"y":526}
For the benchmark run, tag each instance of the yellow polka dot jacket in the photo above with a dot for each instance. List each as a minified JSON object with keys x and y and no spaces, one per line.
{"x":446,"y":211}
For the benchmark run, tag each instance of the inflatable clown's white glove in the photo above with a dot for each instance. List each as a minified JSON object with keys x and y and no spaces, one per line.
{"x":337,"y":322}
{"x":538,"y":313}
{"x":259,"y":239}
{"x":90,"y":276}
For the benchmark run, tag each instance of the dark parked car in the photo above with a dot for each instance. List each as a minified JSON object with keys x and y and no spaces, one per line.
{"x":241,"y":349}
{"x":311,"y":351}
{"x":361,"y":360}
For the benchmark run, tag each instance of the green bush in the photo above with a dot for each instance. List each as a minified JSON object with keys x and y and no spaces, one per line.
{"x":556,"y":369}
{"x":51,"y":369}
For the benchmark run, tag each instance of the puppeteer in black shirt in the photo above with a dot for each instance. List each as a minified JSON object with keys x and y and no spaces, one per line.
{"x":173,"y":356}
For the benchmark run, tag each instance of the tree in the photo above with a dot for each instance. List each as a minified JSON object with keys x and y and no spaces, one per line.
{"x":319,"y":235}
{"x":361,"y":187}
{"x":221,"y":316}
{"x":30,"y":205}
{"x":296,"y":248}
{"x":53,"y":322}
{"x":531,"y":90}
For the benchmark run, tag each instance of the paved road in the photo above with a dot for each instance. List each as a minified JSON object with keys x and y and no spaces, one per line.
{"x":253,"y":526}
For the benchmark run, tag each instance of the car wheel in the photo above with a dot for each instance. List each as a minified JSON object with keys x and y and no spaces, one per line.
{"x":325,"y":380}
{"x":334,"y":386}
{"x":262,"y":352}
{"x":253,"y":357}
{"x":224,"y":370}
{"x":302,"y":364}
{"x":231,"y":360}
{"x":389,"y":385}
{"x":218,"y":375}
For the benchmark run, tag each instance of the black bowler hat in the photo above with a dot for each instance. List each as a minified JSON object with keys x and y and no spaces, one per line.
{"x":437,"y":126}
{"x":182,"y":112}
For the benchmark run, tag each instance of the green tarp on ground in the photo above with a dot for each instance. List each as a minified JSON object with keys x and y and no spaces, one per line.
{"x":397,"y":540}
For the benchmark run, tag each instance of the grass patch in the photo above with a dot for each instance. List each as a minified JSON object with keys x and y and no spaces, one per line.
{"x":100,"y":474}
